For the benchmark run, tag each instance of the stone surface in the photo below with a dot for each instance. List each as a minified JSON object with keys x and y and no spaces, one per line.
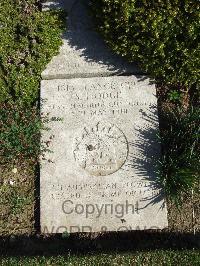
{"x":83,"y":53}
{"x":101,"y":174}
{"x":64,"y":4}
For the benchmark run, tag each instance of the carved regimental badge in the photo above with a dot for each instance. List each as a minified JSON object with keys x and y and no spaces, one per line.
{"x":101,"y":149}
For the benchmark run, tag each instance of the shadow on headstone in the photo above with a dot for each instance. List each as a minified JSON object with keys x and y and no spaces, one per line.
{"x":145,"y":160}
{"x":84,"y":52}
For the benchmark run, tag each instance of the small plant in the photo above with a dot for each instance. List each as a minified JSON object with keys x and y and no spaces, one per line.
{"x":175,"y":96}
{"x":180,"y":164}
{"x":21,"y":129}
{"x":65,"y":235}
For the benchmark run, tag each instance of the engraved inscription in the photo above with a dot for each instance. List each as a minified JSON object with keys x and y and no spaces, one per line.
{"x":101,"y":149}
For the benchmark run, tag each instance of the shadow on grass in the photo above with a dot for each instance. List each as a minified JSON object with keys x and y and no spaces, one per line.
{"x":109,"y":242}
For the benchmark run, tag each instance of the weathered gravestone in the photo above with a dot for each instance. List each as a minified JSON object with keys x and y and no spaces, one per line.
{"x":101,"y":175}
{"x":102,"y":170}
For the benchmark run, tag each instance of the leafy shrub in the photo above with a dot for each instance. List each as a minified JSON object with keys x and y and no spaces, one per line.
{"x":28,"y":40}
{"x":20,"y":132}
{"x":180,"y":165}
{"x":163,"y":36}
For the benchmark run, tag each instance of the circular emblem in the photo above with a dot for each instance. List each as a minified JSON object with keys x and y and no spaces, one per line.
{"x":101,"y":149}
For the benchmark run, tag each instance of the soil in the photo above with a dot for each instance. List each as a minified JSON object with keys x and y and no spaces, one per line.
{"x":17,"y":201}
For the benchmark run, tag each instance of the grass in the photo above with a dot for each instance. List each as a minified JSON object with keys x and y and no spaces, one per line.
{"x":160,"y":258}
{"x":179,"y":166}
{"x":17,"y":199}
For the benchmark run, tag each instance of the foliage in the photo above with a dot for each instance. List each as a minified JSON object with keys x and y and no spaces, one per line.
{"x":174,"y":96}
{"x":163,"y":36}
{"x":155,"y":257}
{"x":17,"y":201}
{"x":28,"y":40}
{"x":11,"y":196}
{"x":21,"y":128}
{"x":180,"y":165}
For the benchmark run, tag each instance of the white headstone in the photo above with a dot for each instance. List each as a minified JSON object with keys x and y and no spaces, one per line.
{"x":101,"y":175}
